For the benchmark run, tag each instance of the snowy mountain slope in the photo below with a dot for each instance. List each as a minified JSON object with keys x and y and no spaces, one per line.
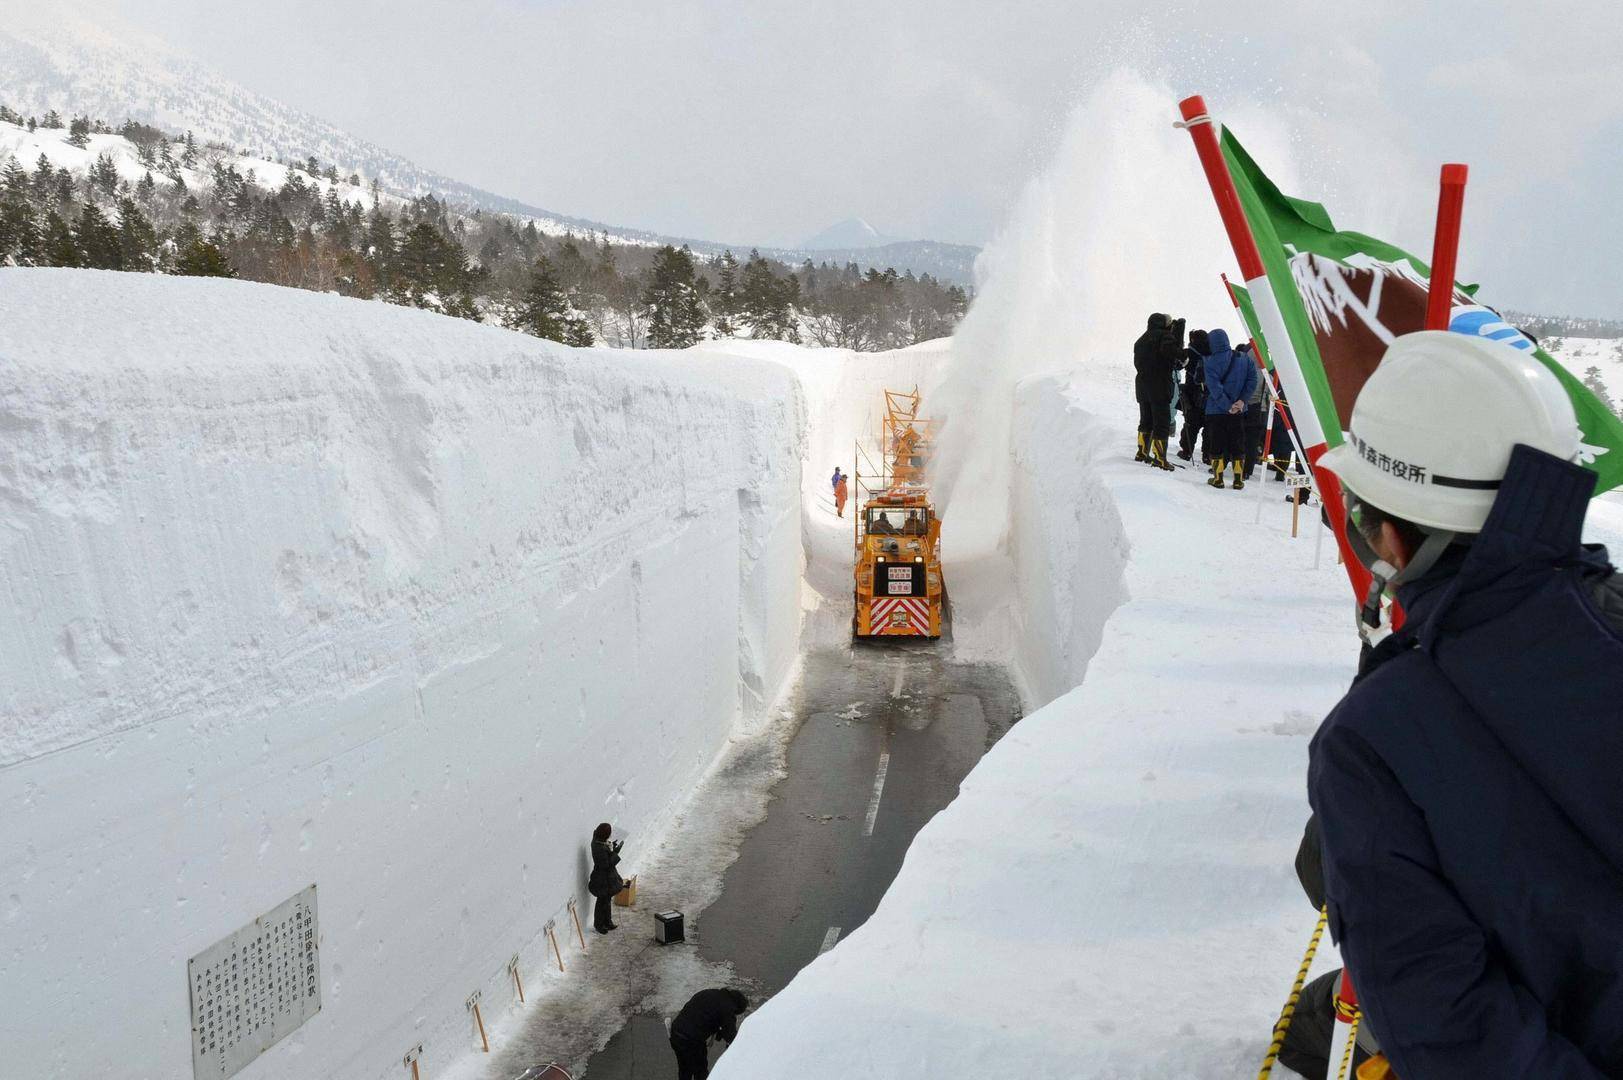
{"x":52,"y":144}
{"x":54,"y":56}
{"x":850,"y":234}
{"x":1579,"y":354}
{"x":953,"y":263}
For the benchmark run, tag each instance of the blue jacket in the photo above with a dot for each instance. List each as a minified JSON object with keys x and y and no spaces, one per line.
{"x":1229,"y":375}
{"x":1470,"y":792}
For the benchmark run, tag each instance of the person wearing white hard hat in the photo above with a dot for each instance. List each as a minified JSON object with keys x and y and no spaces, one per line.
{"x":1469,"y":786}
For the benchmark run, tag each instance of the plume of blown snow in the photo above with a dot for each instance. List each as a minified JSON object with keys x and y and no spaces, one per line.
{"x":1120,"y":225}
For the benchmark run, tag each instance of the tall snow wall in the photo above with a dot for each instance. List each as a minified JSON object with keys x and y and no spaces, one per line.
{"x":302,"y":590}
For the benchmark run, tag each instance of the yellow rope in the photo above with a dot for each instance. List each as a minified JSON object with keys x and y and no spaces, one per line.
{"x":1289,"y":1010}
{"x":1352,"y":1041}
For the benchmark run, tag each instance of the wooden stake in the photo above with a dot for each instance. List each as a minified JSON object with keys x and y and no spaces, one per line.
{"x":411,"y":1060}
{"x":480,"y":1020}
{"x":552,"y":937}
{"x":1296,"y":509}
{"x":512,"y":967}
{"x":573,"y":914}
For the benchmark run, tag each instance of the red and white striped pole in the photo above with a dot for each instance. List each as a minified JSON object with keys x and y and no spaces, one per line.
{"x":1198,"y":121}
{"x":1445,"y":245}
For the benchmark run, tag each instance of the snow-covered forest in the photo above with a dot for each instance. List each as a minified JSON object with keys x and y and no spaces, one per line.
{"x":76,"y":192}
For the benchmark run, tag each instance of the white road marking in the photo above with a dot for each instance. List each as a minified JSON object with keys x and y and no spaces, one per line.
{"x":829,"y":939}
{"x":878,"y":790}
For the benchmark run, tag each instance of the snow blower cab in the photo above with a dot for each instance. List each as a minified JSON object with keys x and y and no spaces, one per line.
{"x":899,"y":591}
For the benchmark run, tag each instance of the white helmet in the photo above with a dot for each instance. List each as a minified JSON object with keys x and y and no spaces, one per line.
{"x":1434,"y":425}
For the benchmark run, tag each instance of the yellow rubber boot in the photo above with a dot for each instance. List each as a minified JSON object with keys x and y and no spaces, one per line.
{"x":1218,"y":465}
{"x":1141,"y":455}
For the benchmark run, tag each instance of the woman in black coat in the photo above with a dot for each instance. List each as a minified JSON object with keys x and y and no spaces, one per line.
{"x":605,"y":880}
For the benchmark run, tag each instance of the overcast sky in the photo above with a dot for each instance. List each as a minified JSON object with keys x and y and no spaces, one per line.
{"x":766,"y":121}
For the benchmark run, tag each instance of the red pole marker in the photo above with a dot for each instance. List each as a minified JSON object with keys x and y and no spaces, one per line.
{"x":1445,"y":246}
{"x":1201,"y":128}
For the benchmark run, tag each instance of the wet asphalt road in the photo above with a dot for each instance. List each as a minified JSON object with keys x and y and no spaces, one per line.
{"x":886,"y":735}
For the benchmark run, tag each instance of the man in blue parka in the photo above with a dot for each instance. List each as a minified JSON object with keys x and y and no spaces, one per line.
{"x":1229,"y":378}
{"x":1469,"y":787}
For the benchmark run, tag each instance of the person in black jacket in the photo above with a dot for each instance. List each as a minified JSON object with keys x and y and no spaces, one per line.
{"x":1192,"y":394}
{"x":708,"y":1014}
{"x":1156,"y":355}
{"x":605,"y":880}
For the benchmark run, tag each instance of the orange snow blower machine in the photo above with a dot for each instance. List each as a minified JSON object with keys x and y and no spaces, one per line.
{"x":899,"y":590}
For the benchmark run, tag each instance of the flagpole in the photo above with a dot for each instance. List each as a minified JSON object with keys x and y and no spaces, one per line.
{"x":1445,"y":246}
{"x":1202,"y":129}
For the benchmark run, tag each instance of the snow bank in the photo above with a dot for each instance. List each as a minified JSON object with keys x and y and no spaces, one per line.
{"x":303,"y":589}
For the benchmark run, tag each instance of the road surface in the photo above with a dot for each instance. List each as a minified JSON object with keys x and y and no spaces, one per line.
{"x":885,"y":736}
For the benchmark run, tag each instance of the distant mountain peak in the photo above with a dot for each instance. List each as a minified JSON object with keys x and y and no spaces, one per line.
{"x":851,"y":233}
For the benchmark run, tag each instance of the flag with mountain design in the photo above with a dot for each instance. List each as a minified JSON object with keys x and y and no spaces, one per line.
{"x":1353,"y":294}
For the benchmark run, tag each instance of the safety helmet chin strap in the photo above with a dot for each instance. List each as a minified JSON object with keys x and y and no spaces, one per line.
{"x":1385,"y":575}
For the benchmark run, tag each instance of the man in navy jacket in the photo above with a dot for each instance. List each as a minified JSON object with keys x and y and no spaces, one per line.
{"x":1469,"y":787}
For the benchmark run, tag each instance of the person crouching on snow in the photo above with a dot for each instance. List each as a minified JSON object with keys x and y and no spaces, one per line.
{"x":605,"y":881}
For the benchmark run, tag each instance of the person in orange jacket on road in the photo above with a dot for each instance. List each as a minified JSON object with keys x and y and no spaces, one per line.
{"x":840,"y":492}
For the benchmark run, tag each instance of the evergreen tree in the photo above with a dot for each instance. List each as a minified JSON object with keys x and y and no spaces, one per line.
{"x":198,"y":257}
{"x":675,"y":316}
{"x":97,"y":240}
{"x":545,"y":311}
{"x":147,"y":189}
{"x":188,"y":156}
{"x":1592,"y":380}
{"x":104,"y":175}
{"x":14,"y":181}
{"x":137,"y":239}
{"x":44,"y":179}
{"x":766,"y":302}
{"x":52,"y":121}
{"x":431,"y":270}
{"x":79,"y":132}
{"x":724,"y":301}
{"x":20,"y":240}
{"x":60,"y":248}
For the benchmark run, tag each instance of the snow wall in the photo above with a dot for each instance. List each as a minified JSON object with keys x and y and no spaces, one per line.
{"x":307,"y":590}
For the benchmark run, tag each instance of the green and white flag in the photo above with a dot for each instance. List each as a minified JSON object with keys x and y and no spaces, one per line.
{"x":1343,"y":296}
